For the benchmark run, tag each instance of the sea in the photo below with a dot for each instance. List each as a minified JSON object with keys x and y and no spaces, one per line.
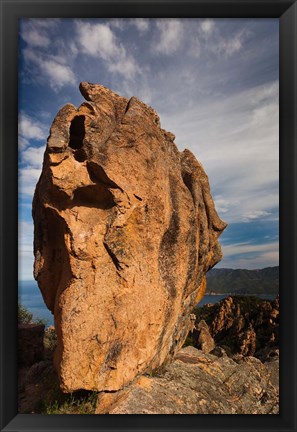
{"x":31,"y":298}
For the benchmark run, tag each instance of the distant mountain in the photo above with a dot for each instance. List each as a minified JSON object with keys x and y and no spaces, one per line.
{"x":238,"y":281}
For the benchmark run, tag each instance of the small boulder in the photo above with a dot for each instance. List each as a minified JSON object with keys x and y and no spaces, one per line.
{"x":205,"y":341}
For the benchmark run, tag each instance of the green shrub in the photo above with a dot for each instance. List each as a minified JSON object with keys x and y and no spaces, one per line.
{"x":50,"y":338}
{"x":74,"y":403}
{"x":26,"y":317}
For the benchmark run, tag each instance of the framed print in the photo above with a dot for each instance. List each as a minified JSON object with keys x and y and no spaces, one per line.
{"x":148,"y":187}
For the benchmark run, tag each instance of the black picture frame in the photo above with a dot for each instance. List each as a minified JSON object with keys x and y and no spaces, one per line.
{"x":11,"y":11}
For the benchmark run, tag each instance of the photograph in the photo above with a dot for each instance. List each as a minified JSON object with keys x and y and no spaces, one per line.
{"x":148,"y":216}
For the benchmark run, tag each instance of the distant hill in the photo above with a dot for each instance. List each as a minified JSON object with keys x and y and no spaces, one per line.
{"x":238,"y":281}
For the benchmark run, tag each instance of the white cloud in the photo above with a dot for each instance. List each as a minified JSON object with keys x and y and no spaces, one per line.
{"x":25,"y":236}
{"x":37,"y":32}
{"x":53,"y":70}
{"x":34,"y":156}
{"x":30,"y":55}
{"x":250,"y":256}
{"x":44,"y":23}
{"x":23,"y":142}
{"x":48,"y":58}
{"x":142,"y":24}
{"x":222,"y":205}
{"x":231,"y":45}
{"x":252,"y":215}
{"x":118,"y":23}
{"x":217,"y":42}
{"x":207,"y":26}
{"x":126,"y":67}
{"x":25,"y":269}
{"x":58,"y":74}
{"x":29,"y":129}
{"x":28,"y":178}
{"x":98,"y":40}
{"x":170,"y":36}
{"x":246,"y":247}
{"x":36,"y":39}
{"x":25,"y":240}
{"x":73,"y":49}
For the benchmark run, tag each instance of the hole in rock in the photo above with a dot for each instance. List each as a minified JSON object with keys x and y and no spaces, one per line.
{"x":80,"y":155}
{"x":95,"y":196}
{"x":77,"y":132}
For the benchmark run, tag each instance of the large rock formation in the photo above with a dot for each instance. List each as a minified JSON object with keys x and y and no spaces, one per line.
{"x":125,"y":231}
{"x":243,"y":325}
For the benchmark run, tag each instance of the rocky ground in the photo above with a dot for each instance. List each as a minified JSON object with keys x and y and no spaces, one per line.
{"x":200,"y":383}
{"x":233,"y":368}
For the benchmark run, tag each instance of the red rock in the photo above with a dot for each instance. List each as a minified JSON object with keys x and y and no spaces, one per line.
{"x":125,"y":231}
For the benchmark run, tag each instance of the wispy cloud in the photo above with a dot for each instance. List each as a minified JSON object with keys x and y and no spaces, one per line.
{"x":98,"y":40}
{"x":35,"y":32}
{"x":231,"y":45}
{"x":221,"y":44}
{"x":43,"y":23}
{"x":30,"y":129}
{"x":170,"y":36}
{"x":35,"y":38}
{"x":25,"y":236}
{"x":207,"y":26}
{"x":46,"y":56}
{"x":142,"y":24}
{"x":25,"y":250}
{"x":250,"y":256}
{"x":207,"y":36}
{"x":244,"y":248}
{"x":256,"y":214}
{"x":33,"y":156}
{"x":50,"y":69}
{"x":58,"y":74}
{"x":28,"y":178}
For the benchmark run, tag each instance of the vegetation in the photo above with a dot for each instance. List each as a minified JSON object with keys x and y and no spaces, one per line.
{"x":26,"y":317}
{"x":237,"y":281}
{"x":81,"y":402}
{"x":50,"y":339}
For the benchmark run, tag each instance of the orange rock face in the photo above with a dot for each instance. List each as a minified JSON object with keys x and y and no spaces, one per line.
{"x":125,"y":231}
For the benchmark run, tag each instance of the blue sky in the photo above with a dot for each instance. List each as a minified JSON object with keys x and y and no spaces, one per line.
{"x":214,"y":83}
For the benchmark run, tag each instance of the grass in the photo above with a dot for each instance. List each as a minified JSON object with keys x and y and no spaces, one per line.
{"x":73,"y":403}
